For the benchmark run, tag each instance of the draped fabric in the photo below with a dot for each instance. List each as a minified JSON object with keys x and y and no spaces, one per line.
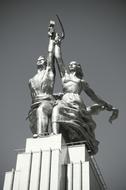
{"x":48,"y":102}
{"x":72,"y":115}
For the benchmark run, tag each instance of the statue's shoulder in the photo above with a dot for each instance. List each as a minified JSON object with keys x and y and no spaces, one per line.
{"x":83,"y":82}
{"x":31,"y":80}
{"x":36,"y":76}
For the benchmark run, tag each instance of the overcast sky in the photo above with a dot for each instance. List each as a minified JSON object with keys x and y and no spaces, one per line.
{"x":96,"y":38}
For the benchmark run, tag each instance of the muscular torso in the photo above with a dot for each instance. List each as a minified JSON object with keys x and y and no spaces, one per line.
{"x":71,"y":84}
{"x":42,"y":83}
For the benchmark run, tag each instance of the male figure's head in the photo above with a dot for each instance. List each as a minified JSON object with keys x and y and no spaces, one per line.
{"x":41,"y":62}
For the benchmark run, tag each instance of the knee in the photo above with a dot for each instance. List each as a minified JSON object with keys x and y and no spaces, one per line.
{"x":56,"y":113}
{"x":42,"y":109}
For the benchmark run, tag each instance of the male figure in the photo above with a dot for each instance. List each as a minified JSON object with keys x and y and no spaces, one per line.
{"x":41,"y":87}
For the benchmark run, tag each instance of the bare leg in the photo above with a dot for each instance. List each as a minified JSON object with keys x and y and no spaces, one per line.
{"x":42,"y":120}
{"x":55,"y":123}
{"x":38,"y":115}
{"x":44,"y":123}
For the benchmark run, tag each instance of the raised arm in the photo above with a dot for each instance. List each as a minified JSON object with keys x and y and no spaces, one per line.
{"x":58,"y":55}
{"x":51,"y":34}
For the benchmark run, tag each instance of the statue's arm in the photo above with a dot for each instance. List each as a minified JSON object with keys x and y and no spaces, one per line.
{"x":50,"y":57}
{"x":89,"y":91}
{"x":102,"y":105}
{"x":58,"y":56}
{"x":51,"y":35}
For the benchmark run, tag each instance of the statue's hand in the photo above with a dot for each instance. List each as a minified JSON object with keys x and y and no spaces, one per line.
{"x":108,"y":107}
{"x":58,"y":39}
{"x":51,"y":30}
{"x":115,"y":113}
{"x":51,"y":33}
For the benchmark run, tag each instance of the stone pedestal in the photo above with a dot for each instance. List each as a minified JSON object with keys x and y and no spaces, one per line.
{"x":49,"y":164}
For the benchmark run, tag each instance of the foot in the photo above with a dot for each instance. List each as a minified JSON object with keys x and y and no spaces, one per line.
{"x":35,"y":135}
{"x":51,"y":134}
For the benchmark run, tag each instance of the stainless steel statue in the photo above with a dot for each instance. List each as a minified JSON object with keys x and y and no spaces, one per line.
{"x":41,"y":87}
{"x":68,"y":114}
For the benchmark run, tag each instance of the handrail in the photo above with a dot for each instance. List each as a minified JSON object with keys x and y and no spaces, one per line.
{"x":99,"y":172}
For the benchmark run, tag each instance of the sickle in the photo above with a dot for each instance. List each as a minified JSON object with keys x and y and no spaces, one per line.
{"x":61,"y":25}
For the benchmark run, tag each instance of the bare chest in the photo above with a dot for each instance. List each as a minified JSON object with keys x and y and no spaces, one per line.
{"x":71,"y":84}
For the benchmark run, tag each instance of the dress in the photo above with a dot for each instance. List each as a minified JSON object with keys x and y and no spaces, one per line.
{"x":70,"y":112}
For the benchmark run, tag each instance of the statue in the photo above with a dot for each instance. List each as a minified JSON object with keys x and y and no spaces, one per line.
{"x":41,"y":87}
{"x":70,"y":115}
{"x":65,"y":112}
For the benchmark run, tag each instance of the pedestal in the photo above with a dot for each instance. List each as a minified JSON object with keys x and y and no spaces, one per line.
{"x":49,"y":164}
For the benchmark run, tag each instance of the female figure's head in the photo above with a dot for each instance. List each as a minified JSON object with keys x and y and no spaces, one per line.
{"x":76,"y":67}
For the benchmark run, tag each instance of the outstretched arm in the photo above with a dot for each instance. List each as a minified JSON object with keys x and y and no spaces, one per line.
{"x":101,"y":104}
{"x":96,"y":98}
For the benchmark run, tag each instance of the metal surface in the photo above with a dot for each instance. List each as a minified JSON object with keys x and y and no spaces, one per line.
{"x":66,"y":113}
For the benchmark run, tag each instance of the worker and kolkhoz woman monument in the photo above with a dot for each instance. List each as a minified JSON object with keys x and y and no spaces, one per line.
{"x":65,"y":112}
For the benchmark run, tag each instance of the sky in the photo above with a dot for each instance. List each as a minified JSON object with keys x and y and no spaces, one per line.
{"x":96,"y":38}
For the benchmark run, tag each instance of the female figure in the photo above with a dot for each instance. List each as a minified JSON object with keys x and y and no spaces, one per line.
{"x":70,"y":115}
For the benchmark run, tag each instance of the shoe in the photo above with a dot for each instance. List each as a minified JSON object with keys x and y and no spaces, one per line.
{"x":35,"y":135}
